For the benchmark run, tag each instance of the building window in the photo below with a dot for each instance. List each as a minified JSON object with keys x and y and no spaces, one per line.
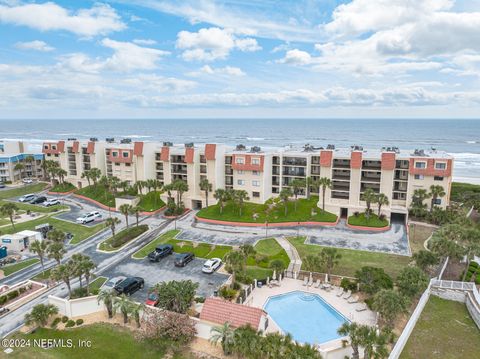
{"x":240,"y":160}
{"x":117,"y":163}
{"x":114,"y":154}
{"x":240,"y":172}
{"x":46,"y":147}
{"x":438,"y":201}
{"x":125,"y":154}
{"x":438,"y":178}
{"x":240,"y":182}
{"x":419,"y":177}
{"x":54,"y":147}
{"x":256,"y":173}
{"x":127,"y":164}
{"x":256,"y":194}
{"x":56,"y":154}
{"x":256,"y":183}
{"x":440,"y":165}
{"x":420,"y":164}
{"x":255,"y":161}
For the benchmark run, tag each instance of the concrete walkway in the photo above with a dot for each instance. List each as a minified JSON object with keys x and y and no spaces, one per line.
{"x":295,"y":261}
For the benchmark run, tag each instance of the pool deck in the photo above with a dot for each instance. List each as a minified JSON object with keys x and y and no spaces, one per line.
{"x":260,"y":296}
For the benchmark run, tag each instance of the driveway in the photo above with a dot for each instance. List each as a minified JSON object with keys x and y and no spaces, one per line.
{"x":164,"y":271}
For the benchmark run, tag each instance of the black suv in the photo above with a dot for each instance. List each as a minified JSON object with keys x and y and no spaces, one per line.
{"x":38,"y":200}
{"x":182,"y":259}
{"x":160,"y":252}
{"x":129,"y":285}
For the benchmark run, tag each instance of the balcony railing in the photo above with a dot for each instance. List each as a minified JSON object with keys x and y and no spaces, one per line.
{"x":288,"y":161}
{"x":341,"y":164}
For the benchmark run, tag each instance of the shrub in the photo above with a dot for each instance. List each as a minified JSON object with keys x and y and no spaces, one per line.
{"x":411,"y":281}
{"x":199,"y":299}
{"x":79,"y":322}
{"x":13,"y":294}
{"x":477,"y":280}
{"x":468,"y":277}
{"x":373,"y":279}
{"x":261,"y":259}
{"x":177,"y":327}
{"x":3,"y":299}
{"x":348,"y":284}
{"x":127,"y":235}
{"x":55,"y":322}
{"x":70,"y":323}
{"x":236,"y":286}
{"x":382,"y":217}
{"x":22,"y":290}
{"x":79,"y":293}
{"x":64,"y":319}
{"x":227,"y":293}
{"x":356,"y":214}
{"x":246,"y":279}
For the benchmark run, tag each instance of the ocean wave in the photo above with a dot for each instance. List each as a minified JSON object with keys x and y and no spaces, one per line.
{"x":136,"y":136}
{"x":471,"y":142}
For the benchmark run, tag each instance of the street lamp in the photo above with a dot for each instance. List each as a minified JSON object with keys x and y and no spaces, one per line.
{"x":298,"y":230}
{"x":266,"y":229}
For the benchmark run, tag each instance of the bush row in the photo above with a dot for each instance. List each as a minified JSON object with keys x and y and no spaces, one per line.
{"x":126,"y":235}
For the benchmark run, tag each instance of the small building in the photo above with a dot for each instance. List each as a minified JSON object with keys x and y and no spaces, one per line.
{"x":219,"y":311}
{"x":18,"y":242}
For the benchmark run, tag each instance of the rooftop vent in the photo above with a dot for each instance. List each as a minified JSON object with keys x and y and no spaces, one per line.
{"x":126,"y":140}
{"x":167,"y":144}
{"x":110,"y":139}
{"x":255,"y":149}
{"x":418,"y":152}
{"x":240,"y":147}
{"x":93,"y":139}
{"x":356,"y":148}
{"x":308,"y":148}
{"x":189,"y":144}
{"x":71,"y":139}
{"x":391,"y":149}
{"x":330,"y":147}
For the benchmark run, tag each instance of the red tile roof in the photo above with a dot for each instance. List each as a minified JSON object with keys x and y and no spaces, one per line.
{"x":210,"y":150}
{"x":138,"y":148}
{"x":219,"y":311}
{"x":189,"y":153}
{"x":388,"y":161}
{"x":165,"y":154}
{"x":356,"y":159}
{"x":326,"y":158}
{"x":91,"y":147}
{"x":75,"y":146}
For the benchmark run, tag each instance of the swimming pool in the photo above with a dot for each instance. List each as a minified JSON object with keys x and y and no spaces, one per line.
{"x":306,"y":316}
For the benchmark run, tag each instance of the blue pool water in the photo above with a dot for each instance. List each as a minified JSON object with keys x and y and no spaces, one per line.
{"x":307,"y":317}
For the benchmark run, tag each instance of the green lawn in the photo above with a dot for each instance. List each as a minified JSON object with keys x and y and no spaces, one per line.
{"x":305,"y":207}
{"x":255,"y":272}
{"x":444,"y":330}
{"x":97,"y":283}
{"x":79,"y":231}
{"x":151,"y":201}
{"x":201,"y":250}
{"x":123,"y":237}
{"x":458,"y":189}
{"x":373,"y":221}
{"x":63,"y":187}
{"x":107,"y":341}
{"x":37,"y":208}
{"x":42,"y":275}
{"x":143,"y":252}
{"x":272,"y":250}
{"x":98,"y":193}
{"x":20,"y":191}
{"x":12,"y":268}
{"x":352,"y":260}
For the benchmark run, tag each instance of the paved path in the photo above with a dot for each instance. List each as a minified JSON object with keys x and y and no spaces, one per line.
{"x":295,"y":261}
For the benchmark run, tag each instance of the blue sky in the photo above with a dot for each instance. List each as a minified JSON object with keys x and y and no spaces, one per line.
{"x":205,"y":58}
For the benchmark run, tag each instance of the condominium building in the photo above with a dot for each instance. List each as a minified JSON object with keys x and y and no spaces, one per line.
{"x":263,"y":173}
{"x":14,"y":152}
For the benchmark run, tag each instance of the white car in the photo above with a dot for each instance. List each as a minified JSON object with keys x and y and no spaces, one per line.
{"x":211,"y":265}
{"x":51,"y":202}
{"x":89,"y":217}
{"x":27,"y":197}
{"x":112,"y":282}
{"x":27,"y":180}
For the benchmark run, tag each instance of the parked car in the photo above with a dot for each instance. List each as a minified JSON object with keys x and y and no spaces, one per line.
{"x":27,"y":180}
{"x":89,"y":217}
{"x":38,"y":200}
{"x":2,"y":185}
{"x":112,"y":282}
{"x":130,"y":285}
{"x":211,"y":265}
{"x":51,"y":202}
{"x":160,"y":252}
{"x":182,"y":259}
{"x":26,"y":197}
{"x":152,"y":299}
{"x":4,"y":310}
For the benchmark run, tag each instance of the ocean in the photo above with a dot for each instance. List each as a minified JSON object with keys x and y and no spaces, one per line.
{"x":460,"y":138}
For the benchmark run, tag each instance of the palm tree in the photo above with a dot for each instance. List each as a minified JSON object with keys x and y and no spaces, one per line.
{"x":56,"y":236}
{"x":95,"y":174}
{"x":352,"y":329}
{"x":312,"y":185}
{"x":374,"y":342}
{"x":31,"y":162}
{"x":418,"y":197}
{"x":240,"y":196}
{"x":20,"y":167}
{"x":369,"y":196}
{"x":124,"y":305}
{"x":40,"y":249}
{"x":382,"y":200}
{"x":107,"y":297}
{"x":284,"y":196}
{"x":124,"y":186}
{"x":221,"y":196}
{"x":235,"y":260}
{"x":76,"y":261}
{"x":61,"y":173}
{"x":297,"y":186}
{"x":87,"y":266}
{"x":247,"y":342}
{"x":40,"y":314}
{"x":325,"y":183}
{"x":156,"y":185}
{"x":225,"y":335}
{"x":135,"y":311}
{"x":140,"y":185}
{"x":181,"y":187}
{"x":112,"y":222}
{"x":8,"y":209}
{"x":329,"y":257}
{"x":206,"y":187}
{"x":114,"y":183}
{"x":86,"y":175}
{"x":56,"y":251}
{"x":64,"y":272}
{"x":136,"y":212}
{"x":436,"y":191}
{"x":125,"y":210}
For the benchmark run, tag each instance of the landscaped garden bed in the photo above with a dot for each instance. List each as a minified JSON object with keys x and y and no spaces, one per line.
{"x":18,"y":292}
{"x":63,"y":188}
{"x":151,"y":202}
{"x":360,"y":220}
{"x":13,"y":268}
{"x":306,"y":211}
{"x":144,"y":251}
{"x":99,"y":194}
{"x":201,"y":250}
{"x":122,"y":238}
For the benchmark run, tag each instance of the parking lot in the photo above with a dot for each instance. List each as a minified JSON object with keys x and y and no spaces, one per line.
{"x":74,"y":213}
{"x":164,"y":271}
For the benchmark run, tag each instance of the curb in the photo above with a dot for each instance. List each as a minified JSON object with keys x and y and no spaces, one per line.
{"x":364,"y":228}
{"x":101,"y":205}
{"x":270,"y":225}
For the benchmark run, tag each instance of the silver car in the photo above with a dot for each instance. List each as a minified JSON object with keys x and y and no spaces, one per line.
{"x":112,"y":282}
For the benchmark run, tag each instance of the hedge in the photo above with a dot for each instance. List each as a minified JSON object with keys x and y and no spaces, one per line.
{"x":70,"y":323}
{"x":125,"y":236}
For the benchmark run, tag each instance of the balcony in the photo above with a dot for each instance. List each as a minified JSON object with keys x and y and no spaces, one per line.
{"x":294,"y":171}
{"x":179,"y":169}
{"x":401,"y":175}
{"x":341,"y":175}
{"x":373,"y":186}
{"x":179,"y":177}
{"x":160,"y":176}
{"x":276,"y":160}
{"x":341,"y":186}
{"x":402,"y":164}
{"x":275,"y":181}
{"x":71,"y":158}
{"x":340,"y":195}
{"x":203,"y":169}
{"x":157,"y":156}
{"x":315,"y":170}
{"x":370,"y":177}
{"x":177,"y":159}
{"x":294,"y":161}
{"x":275,"y":170}
{"x":337,"y":163}
{"x":159,"y":167}
{"x":203,"y":159}
{"x":229,"y":171}
{"x":315,"y":160}
{"x":229,"y":181}
{"x":86,"y":159}
{"x":228,"y":160}
{"x":400,"y":186}
{"x":372,"y":165}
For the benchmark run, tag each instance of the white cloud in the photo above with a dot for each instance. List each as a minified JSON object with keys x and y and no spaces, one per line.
{"x":152,"y":82}
{"x":34,"y":45}
{"x":147,"y":42}
{"x":213,"y":43}
{"x":98,"y":20}
{"x":296,"y":57}
{"x":209,"y":70}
